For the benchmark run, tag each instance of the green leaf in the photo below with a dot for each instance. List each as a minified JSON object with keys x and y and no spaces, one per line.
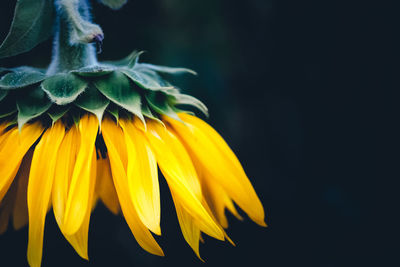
{"x":144,"y":80}
{"x":64,"y":88}
{"x":159,"y":103}
{"x":93,"y":101}
{"x":3,"y":94}
{"x":129,"y":61}
{"x":57,"y":112}
{"x":21,"y":77}
{"x":32,"y":104}
{"x":113,"y":4}
{"x":165,"y":69}
{"x":33,"y":23}
{"x":117,"y":87}
{"x":93,"y":71}
{"x":182,"y":99}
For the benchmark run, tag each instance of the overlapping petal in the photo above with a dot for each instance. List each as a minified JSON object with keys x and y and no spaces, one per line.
{"x":78,"y":200}
{"x":117,"y":154}
{"x":218,"y":163}
{"x":142,"y":176}
{"x":204,"y":176}
{"x":181,"y":176}
{"x":39,"y":189}
{"x":13,"y":147}
{"x":105,"y":186}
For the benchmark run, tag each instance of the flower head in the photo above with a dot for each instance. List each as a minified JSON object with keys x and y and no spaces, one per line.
{"x":71,"y":137}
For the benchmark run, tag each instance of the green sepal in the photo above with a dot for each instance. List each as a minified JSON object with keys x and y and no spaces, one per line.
{"x":144,"y":80}
{"x":11,"y":122}
{"x":32,"y":23}
{"x":147,"y":113}
{"x":57,"y":112}
{"x":7,"y":112}
{"x":182,"y":99}
{"x":158,"y":102}
{"x":3,"y":70}
{"x":3,"y":94}
{"x":33,"y":103}
{"x":165,"y":69}
{"x":93,"y":101}
{"x":151,"y":74}
{"x":114,"y":111}
{"x":118,"y":88}
{"x":7,"y":108}
{"x":178,"y":110}
{"x":129,"y":61}
{"x":64,"y":88}
{"x":93,"y":71}
{"x":21,"y":77}
{"x":76,"y":117}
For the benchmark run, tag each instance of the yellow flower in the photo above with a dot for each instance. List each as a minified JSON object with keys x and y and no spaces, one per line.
{"x":70,"y":169}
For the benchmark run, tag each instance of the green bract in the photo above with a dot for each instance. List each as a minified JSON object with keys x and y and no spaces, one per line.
{"x":120,"y":87}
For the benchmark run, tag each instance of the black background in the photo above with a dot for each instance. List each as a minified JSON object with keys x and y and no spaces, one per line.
{"x":299,"y":89}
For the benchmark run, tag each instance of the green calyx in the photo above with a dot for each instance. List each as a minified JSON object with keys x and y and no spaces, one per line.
{"x":119,"y":87}
{"x":75,"y":82}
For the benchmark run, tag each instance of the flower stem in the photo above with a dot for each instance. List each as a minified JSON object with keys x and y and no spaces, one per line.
{"x":74,"y":36}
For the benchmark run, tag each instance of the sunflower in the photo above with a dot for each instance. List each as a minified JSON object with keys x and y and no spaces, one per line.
{"x":79,"y":133}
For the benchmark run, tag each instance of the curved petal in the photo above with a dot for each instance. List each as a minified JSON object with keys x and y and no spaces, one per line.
{"x":64,"y":169}
{"x":181,"y":176}
{"x":142,"y":177}
{"x":39,"y":189}
{"x":78,"y":195}
{"x":20,"y":212}
{"x":190,"y":231}
{"x":6,"y":208}
{"x":219,"y":163}
{"x":217,"y":199}
{"x":79,"y":240}
{"x":13,"y":149}
{"x":113,"y":137}
{"x":105,"y":186}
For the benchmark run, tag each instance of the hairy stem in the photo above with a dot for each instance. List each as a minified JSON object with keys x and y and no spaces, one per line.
{"x":73,"y":42}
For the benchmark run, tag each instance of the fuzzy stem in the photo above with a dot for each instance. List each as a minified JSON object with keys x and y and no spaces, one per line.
{"x":74,"y":36}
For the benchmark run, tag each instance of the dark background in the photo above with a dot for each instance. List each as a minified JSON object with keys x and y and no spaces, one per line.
{"x":298,"y":89}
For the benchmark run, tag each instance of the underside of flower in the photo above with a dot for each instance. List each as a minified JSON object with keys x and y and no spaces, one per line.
{"x":120,"y":87}
{"x":82,"y":131}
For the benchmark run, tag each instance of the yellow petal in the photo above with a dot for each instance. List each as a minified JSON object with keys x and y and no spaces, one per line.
{"x":181,"y":177}
{"x":6,"y":207}
{"x":217,"y":199}
{"x":12,"y":150}
{"x":219,"y":163}
{"x":142,"y":177}
{"x":39,"y":189}
{"x":190,"y":231}
{"x":79,"y":240}
{"x":5,"y":212}
{"x":3,"y":126}
{"x":113,"y":135}
{"x":206,"y":206}
{"x":64,"y":169}
{"x":3,"y":134}
{"x":78,"y":195}
{"x":105,"y":186}
{"x":20,"y":213}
